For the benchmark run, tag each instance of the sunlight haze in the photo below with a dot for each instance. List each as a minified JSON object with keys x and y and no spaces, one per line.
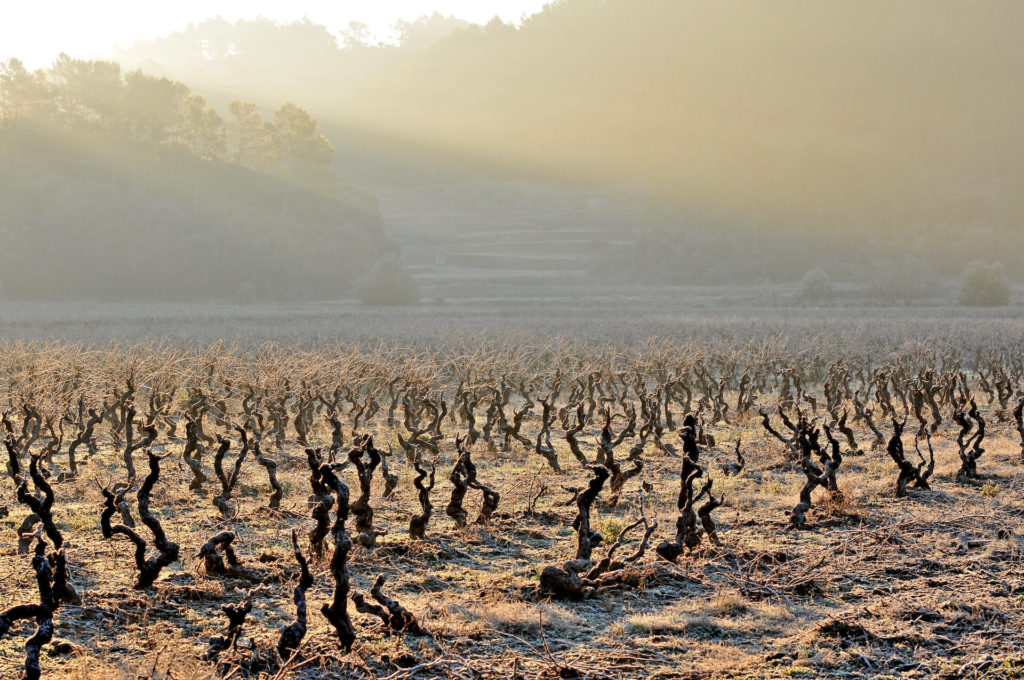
{"x":88,"y":30}
{"x":511,"y":339}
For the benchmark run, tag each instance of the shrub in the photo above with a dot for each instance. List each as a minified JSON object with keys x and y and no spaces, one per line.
{"x":816,"y":286}
{"x":388,"y":283}
{"x":984,"y":284}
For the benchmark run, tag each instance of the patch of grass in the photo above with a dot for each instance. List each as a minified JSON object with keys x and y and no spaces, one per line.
{"x":770,"y":486}
{"x":879,"y":468}
{"x":515,"y":617}
{"x":990,"y":490}
{"x":673,"y":621}
{"x":611,"y":529}
{"x":727,"y":604}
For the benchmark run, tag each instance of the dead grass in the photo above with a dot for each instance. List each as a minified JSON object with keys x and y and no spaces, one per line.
{"x":673,"y":622}
{"x":475,"y":619}
{"x":924,"y":586}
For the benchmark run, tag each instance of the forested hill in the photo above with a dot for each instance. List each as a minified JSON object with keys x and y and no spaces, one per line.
{"x":842,"y":130}
{"x":129,"y":186}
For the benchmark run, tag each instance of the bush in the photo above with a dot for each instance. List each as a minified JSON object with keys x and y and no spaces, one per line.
{"x":984,"y":284}
{"x":816,"y":286}
{"x":388,"y":283}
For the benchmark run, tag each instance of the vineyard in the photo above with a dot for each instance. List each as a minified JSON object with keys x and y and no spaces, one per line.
{"x":747,"y":503}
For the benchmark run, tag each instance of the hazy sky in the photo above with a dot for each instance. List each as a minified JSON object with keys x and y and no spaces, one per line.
{"x":36,"y":32}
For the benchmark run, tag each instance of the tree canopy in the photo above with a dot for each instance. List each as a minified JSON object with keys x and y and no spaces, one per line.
{"x":129,"y":185}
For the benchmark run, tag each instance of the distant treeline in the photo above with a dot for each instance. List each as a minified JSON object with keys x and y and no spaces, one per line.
{"x":130,"y":186}
{"x":93,"y":100}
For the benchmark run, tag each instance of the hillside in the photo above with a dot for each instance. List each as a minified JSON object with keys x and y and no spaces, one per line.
{"x":131,"y":188}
